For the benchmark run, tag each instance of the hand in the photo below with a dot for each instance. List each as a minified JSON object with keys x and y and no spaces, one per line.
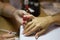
{"x":38,"y":25}
{"x":7,"y":36}
{"x":18,"y":17}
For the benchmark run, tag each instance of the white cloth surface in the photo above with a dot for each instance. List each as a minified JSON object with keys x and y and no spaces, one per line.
{"x":52,"y":34}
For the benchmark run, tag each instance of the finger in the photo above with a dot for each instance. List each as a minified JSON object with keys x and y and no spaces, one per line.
{"x":39,"y":33}
{"x":25,"y":13}
{"x":28,"y":17}
{"x":7,"y":35}
{"x":22,"y":12}
{"x":10,"y":39}
{"x":24,"y":22}
{"x":32,"y":30}
{"x":29,"y":28}
{"x":19,"y":19}
{"x":29,"y":23}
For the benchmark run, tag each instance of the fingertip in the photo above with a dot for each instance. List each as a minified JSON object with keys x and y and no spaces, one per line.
{"x":36,"y":36}
{"x":26,"y":34}
{"x":24,"y":22}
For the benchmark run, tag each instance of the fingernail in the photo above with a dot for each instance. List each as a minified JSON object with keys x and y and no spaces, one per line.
{"x":25,"y":34}
{"x":36,"y":37}
{"x":24,"y":22}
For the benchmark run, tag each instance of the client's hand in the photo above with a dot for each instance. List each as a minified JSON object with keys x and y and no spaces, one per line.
{"x":38,"y":25}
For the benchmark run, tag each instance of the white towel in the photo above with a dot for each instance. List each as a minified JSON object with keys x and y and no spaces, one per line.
{"x":52,"y":35}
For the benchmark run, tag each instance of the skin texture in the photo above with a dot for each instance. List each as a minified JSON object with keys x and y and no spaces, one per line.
{"x":7,"y":36}
{"x":38,"y":25}
{"x":13,"y":14}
